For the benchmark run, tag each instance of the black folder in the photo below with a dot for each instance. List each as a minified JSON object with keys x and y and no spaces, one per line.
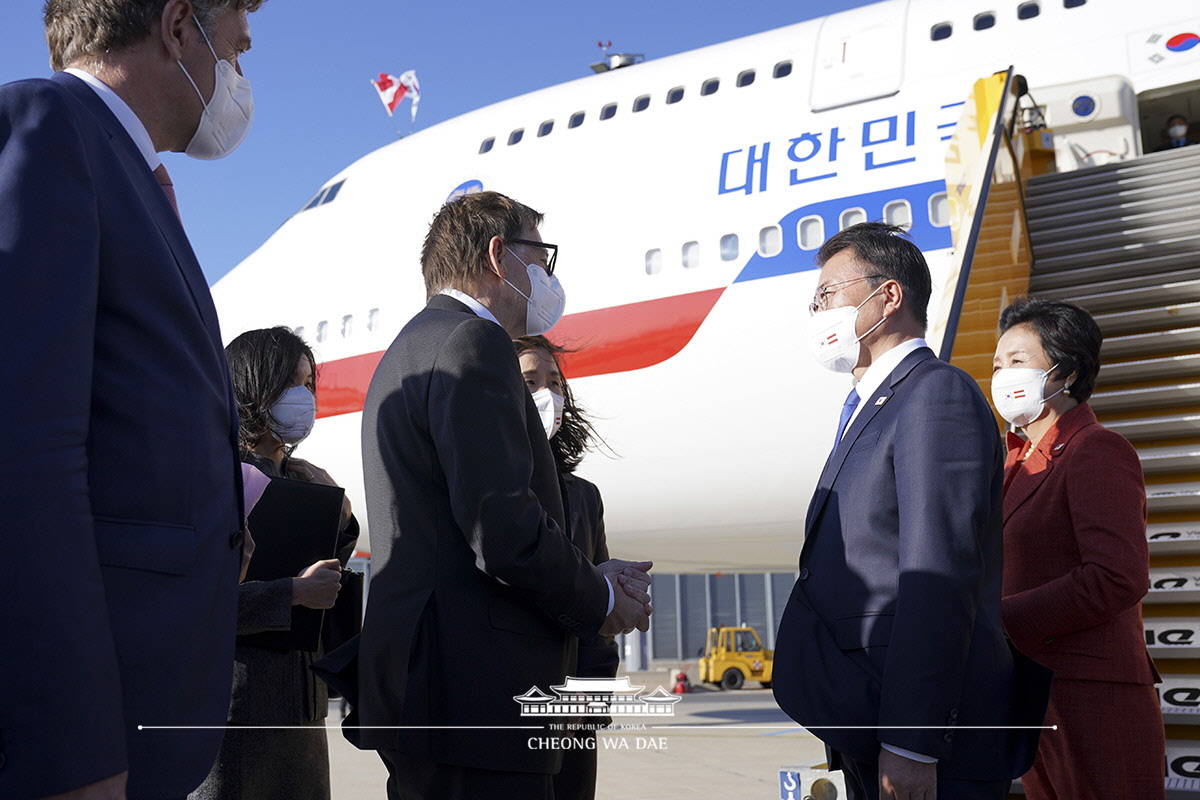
{"x":295,"y":524}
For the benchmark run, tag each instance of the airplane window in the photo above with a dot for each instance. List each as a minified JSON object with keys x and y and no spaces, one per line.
{"x":316,"y":201}
{"x":675,"y":95}
{"x":609,"y":111}
{"x":1073,"y":3}
{"x":487,"y":144}
{"x":898,"y":212}
{"x":691,"y":255}
{"x":941,"y":31}
{"x":710,"y":86}
{"x":642,"y":103}
{"x":322,"y":330}
{"x":299,"y":331}
{"x":783,"y":69}
{"x":545,"y":127}
{"x":745,"y":78}
{"x":770,"y":241}
{"x":333,"y":192}
{"x":729,"y":247}
{"x":515,"y":136}
{"x":373,"y":319}
{"x":939,"y":210}
{"x":1028,"y":10}
{"x":984,"y":21}
{"x":347,"y":325}
{"x":576,"y":120}
{"x":653,"y":262}
{"x":810,"y":231}
{"x":851,"y":216}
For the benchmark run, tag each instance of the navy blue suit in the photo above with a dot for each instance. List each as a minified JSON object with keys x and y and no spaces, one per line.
{"x":895,"y":618}
{"x":119,"y":478}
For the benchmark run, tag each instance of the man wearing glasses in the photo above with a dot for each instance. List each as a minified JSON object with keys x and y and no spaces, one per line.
{"x":477,"y":594}
{"x":891,"y":648}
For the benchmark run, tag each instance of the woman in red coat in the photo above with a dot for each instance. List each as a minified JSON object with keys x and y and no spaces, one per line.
{"x":1076,"y":560}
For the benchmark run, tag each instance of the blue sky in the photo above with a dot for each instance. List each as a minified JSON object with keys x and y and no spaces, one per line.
{"x":316,"y":112}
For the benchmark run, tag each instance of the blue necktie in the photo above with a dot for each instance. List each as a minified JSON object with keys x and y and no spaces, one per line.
{"x":848,"y":407}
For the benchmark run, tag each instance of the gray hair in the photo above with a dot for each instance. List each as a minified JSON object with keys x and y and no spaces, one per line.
{"x":78,"y":30}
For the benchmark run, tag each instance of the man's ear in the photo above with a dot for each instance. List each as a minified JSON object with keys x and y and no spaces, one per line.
{"x":176,"y":28}
{"x":894,"y":296}
{"x":495,"y":252}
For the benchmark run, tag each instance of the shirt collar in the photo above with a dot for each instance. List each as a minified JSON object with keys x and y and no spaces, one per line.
{"x":879,"y":370}
{"x":124,"y":114}
{"x":470,"y":302}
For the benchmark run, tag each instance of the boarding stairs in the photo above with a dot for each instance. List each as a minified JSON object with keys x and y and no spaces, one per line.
{"x":1123,"y":241}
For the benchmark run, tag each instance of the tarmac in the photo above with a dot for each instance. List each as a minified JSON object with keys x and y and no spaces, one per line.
{"x":716,"y":744}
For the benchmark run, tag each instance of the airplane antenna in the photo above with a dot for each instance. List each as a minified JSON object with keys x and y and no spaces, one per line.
{"x":615,"y":61}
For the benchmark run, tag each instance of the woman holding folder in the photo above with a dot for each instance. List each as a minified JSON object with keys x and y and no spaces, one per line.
{"x":275,"y":388}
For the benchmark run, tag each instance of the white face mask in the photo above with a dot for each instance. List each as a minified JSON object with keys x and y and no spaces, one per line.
{"x":293,"y":415}
{"x":545,"y":301}
{"x":1177,"y":131}
{"x":227,"y":116}
{"x":832,"y":339}
{"x":1017,"y":393}
{"x":550,"y":407}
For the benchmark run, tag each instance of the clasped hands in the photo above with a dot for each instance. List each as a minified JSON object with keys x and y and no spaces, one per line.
{"x":631,"y":596}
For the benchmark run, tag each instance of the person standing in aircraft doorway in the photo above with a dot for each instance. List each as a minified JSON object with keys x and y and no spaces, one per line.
{"x":891,"y":647}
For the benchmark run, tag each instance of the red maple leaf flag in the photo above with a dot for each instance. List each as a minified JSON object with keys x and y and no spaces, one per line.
{"x":391,"y":91}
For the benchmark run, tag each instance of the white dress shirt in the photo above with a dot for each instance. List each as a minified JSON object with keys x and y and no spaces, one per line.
{"x":482,"y":311}
{"x":124,"y":114}
{"x":879,"y":371}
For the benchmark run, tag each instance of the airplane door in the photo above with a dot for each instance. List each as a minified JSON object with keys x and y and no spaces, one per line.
{"x":859,"y":56}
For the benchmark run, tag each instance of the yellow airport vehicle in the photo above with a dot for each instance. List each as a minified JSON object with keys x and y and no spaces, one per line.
{"x":733,"y":656}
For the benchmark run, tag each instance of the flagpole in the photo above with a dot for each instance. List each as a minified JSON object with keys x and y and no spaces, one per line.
{"x":392,"y":117}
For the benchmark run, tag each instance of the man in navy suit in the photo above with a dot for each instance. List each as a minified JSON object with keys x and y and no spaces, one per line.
{"x":891,"y":644}
{"x":118,"y":462}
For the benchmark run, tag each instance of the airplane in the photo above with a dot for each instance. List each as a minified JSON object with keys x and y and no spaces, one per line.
{"x":688,"y":196}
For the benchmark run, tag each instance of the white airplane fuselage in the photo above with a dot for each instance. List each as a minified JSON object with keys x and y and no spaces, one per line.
{"x":694,"y":363}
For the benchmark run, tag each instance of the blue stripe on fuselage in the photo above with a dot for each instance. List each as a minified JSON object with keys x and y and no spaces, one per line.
{"x":792,"y":259}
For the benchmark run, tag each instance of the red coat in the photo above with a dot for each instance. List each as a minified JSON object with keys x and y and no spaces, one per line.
{"x":1076,"y":562}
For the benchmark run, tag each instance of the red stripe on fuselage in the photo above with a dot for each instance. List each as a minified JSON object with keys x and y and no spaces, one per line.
{"x":605,"y":341}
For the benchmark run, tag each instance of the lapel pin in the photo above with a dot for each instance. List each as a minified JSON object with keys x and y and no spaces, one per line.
{"x":880,"y":400}
{"x":1058,"y":448}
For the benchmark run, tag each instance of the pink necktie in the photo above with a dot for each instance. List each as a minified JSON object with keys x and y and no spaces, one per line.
{"x":164,"y":180}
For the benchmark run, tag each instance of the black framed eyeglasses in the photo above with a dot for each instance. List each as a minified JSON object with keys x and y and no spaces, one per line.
{"x":551,"y":252}
{"x":823,"y":292}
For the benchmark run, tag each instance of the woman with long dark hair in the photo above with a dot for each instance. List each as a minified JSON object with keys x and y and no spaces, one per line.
{"x":571,"y":435}
{"x":275,"y":388}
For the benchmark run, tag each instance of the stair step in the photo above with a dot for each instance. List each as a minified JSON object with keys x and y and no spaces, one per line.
{"x":1149,"y":369}
{"x":1142,"y":291}
{"x":1092,"y":227}
{"x":1165,"y":460}
{"x":1088,"y":206}
{"x":1159,"y":427}
{"x":1146,"y":164}
{"x":1093,"y":266}
{"x":1173,"y":538}
{"x":1151,"y":397}
{"x":1173,"y":497}
{"x":1155,"y":233}
{"x":1147,"y":319}
{"x":1174,"y":585}
{"x":1138,"y":344}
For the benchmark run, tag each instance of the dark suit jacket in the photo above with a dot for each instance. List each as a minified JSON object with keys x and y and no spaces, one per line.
{"x":598,"y":655}
{"x":1076,"y":562}
{"x":118,"y":454}
{"x":895,"y":618}
{"x":475,"y":589}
